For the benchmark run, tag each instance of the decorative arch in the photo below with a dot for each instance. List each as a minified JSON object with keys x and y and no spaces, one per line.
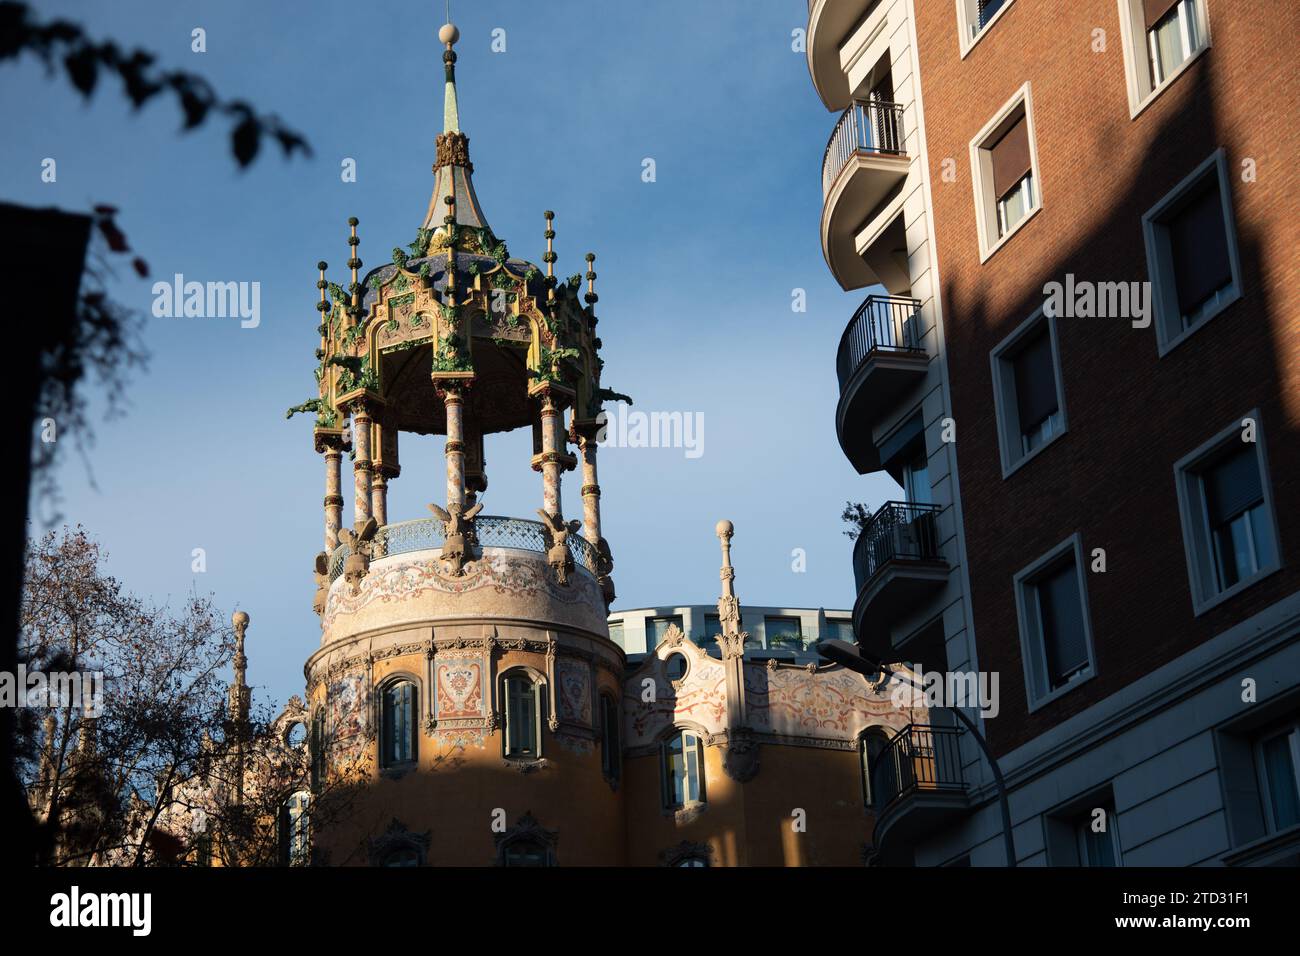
{"x":398,"y":843}
{"x":522,"y":693}
{"x":527,"y":843}
{"x":397,"y":715}
{"x":871,"y":742}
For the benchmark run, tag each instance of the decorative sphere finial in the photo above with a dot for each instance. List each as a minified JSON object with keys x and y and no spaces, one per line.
{"x":725,"y":529}
{"x":239,"y":619}
{"x":448,"y":34}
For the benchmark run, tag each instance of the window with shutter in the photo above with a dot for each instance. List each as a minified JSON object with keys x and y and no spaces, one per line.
{"x":1060,"y":613}
{"x":1228,"y":515}
{"x":1035,"y":387}
{"x":1055,"y":632}
{"x":397,"y":723}
{"x":1199,"y":249}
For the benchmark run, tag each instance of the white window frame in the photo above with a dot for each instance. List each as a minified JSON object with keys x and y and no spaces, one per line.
{"x":1033,"y":650}
{"x":981,"y":162}
{"x":1083,"y":826}
{"x":969,"y":32}
{"x":1135,"y":40}
{"x":1292,"y":732}
{"x":1004,"y":392}
{"x":665,"y":779}
{"x":1197,"y":543}
{"x":1165,"y":313}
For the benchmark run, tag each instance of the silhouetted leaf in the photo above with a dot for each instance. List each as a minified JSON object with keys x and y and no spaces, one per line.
{"x":245,"y":140}
{"x":83,"y":69}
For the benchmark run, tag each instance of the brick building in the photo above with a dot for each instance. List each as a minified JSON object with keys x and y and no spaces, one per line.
{"x":1082,"y":371}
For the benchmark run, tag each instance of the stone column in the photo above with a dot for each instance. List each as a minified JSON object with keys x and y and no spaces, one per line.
{"x":333,"y":496}
{"x":590,"y":489}
{"x":552,"y":416}
{"x":361,"y":465}
{"x":454,"y":402}
{"x":379,"y":497}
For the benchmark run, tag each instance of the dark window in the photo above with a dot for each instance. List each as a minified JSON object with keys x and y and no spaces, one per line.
{"x":659,"y":628}
{"x":783,"y":633}
{"x":1198,"y":245}
{"x":1098,"y":839}
{"x":873,"y":742}
{"x":526,"y":853}
{"x":523,"y":717}
{"x":1240,"y":533}
{"x":675,"y":667}
{"x":398,"y":723}
{"x":610,"y":738}
{"x":1060,"y":622}
{"x":986,"y":9}
{"x":1280,"y":758}
{"x":317,"y":746}
{"x":405,"y":857}
{"x":1037,"y":409}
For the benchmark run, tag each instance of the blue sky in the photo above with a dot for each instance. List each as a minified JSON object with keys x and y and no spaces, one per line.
{"x":696,"y":277}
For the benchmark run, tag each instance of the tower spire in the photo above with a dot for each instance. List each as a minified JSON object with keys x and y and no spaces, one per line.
{"x":452,"y":169}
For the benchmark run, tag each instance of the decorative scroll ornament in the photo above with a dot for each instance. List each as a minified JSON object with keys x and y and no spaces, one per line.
{"x":741,"y":758}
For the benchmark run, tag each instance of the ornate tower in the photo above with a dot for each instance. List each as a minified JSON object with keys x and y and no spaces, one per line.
{"x":463,"y":656}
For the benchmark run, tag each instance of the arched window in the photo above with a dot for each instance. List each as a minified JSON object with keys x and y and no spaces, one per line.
{"x":523,"y":707}
{"x":293,"y":830}
{"x":692,"y":861}
{"x":675,"y":666}
{"x":682,"y":769}
{"x":317,"y":748}
{"x":873,"y":742}
{"x":408,"y":856}
{"x":397,"y":722}
{"x":526,"y":853}
{"x":611,"y":744}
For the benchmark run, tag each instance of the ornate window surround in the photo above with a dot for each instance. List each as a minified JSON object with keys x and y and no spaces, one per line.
{"x":381,"y":689}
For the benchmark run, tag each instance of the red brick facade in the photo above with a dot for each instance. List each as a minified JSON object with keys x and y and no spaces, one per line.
{"x":1132,"y":414}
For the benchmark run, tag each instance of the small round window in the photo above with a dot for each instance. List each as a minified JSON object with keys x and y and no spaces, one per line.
{"x":675,"y":666}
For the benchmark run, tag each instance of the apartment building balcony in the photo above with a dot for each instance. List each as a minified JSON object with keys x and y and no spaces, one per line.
{"x":897,"y":564}
{"x":916,"y":787}
{"x":880,"y":357}
{"x":865,"y":159}
{"x":834,"y":25}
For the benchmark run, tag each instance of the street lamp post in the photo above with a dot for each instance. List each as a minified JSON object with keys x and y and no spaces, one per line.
{"x":850,"y":656}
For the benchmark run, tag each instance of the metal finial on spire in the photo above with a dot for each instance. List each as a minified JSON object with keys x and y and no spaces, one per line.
{"x":549,"y":256}
{"x":354,"y":264}
{"x":452,"y":233}
{"x":323,"y":308}
{"x":591,"y":297}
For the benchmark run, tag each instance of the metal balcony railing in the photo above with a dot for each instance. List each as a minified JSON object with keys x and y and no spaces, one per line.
{"x":491,"y":531}
{"x":867,"y":126}
{"x":899,"y":529}
{"x":921,"y":757}
{"x":881,"y":322}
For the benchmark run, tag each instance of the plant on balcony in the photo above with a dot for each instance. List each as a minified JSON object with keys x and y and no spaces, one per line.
{"x":857,"y":516}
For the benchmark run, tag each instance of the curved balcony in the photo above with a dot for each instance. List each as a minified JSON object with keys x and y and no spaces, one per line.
{"x":831,"y":23}
{"x":865,"y":158}
{"x":916,"y":786}
{"x":880,"y":357}
{"x":491,"y":531}
{"x":897,"y":563}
